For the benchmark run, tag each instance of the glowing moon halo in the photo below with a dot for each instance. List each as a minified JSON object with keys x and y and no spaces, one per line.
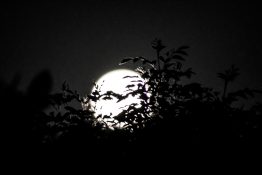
{"x":116,"y":81}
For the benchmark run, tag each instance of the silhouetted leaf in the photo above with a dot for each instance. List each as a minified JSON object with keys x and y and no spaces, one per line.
{"x":183,"y":48}
{"x":107,"y":98}
{"x":135,"y":76}
{"x":167,"y":65}
{"x":178,"y":57}
{"x":182,"y":52}
{"x":162,"y":58}
{"x":130,"y":85}
{"x":124,"y":61}
{"x":136,"y":81}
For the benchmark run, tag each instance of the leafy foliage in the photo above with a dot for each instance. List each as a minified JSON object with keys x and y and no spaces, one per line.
{"x":172,"y":113}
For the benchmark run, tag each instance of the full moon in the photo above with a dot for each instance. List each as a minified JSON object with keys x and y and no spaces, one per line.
{"x":120,"y":81}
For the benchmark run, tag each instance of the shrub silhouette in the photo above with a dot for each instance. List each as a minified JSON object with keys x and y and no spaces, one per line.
{"x":22,"y":113}
{"x":172,"y":115}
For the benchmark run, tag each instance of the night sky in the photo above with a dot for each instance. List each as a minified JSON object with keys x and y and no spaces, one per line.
{"x":79,"y":42}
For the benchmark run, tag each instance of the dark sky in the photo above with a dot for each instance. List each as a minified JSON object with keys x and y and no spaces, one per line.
{"x":79,"y":42}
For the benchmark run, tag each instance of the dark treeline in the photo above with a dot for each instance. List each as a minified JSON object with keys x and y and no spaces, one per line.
{"x":175,"y":118}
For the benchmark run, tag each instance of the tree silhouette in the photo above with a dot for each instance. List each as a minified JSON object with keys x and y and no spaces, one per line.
{"x":172,"y":116}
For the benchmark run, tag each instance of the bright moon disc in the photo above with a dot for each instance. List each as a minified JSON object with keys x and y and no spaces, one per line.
{"x":116,"y":81}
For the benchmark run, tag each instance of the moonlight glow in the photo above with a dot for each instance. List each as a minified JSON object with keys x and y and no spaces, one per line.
{"x":116,"y":81}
